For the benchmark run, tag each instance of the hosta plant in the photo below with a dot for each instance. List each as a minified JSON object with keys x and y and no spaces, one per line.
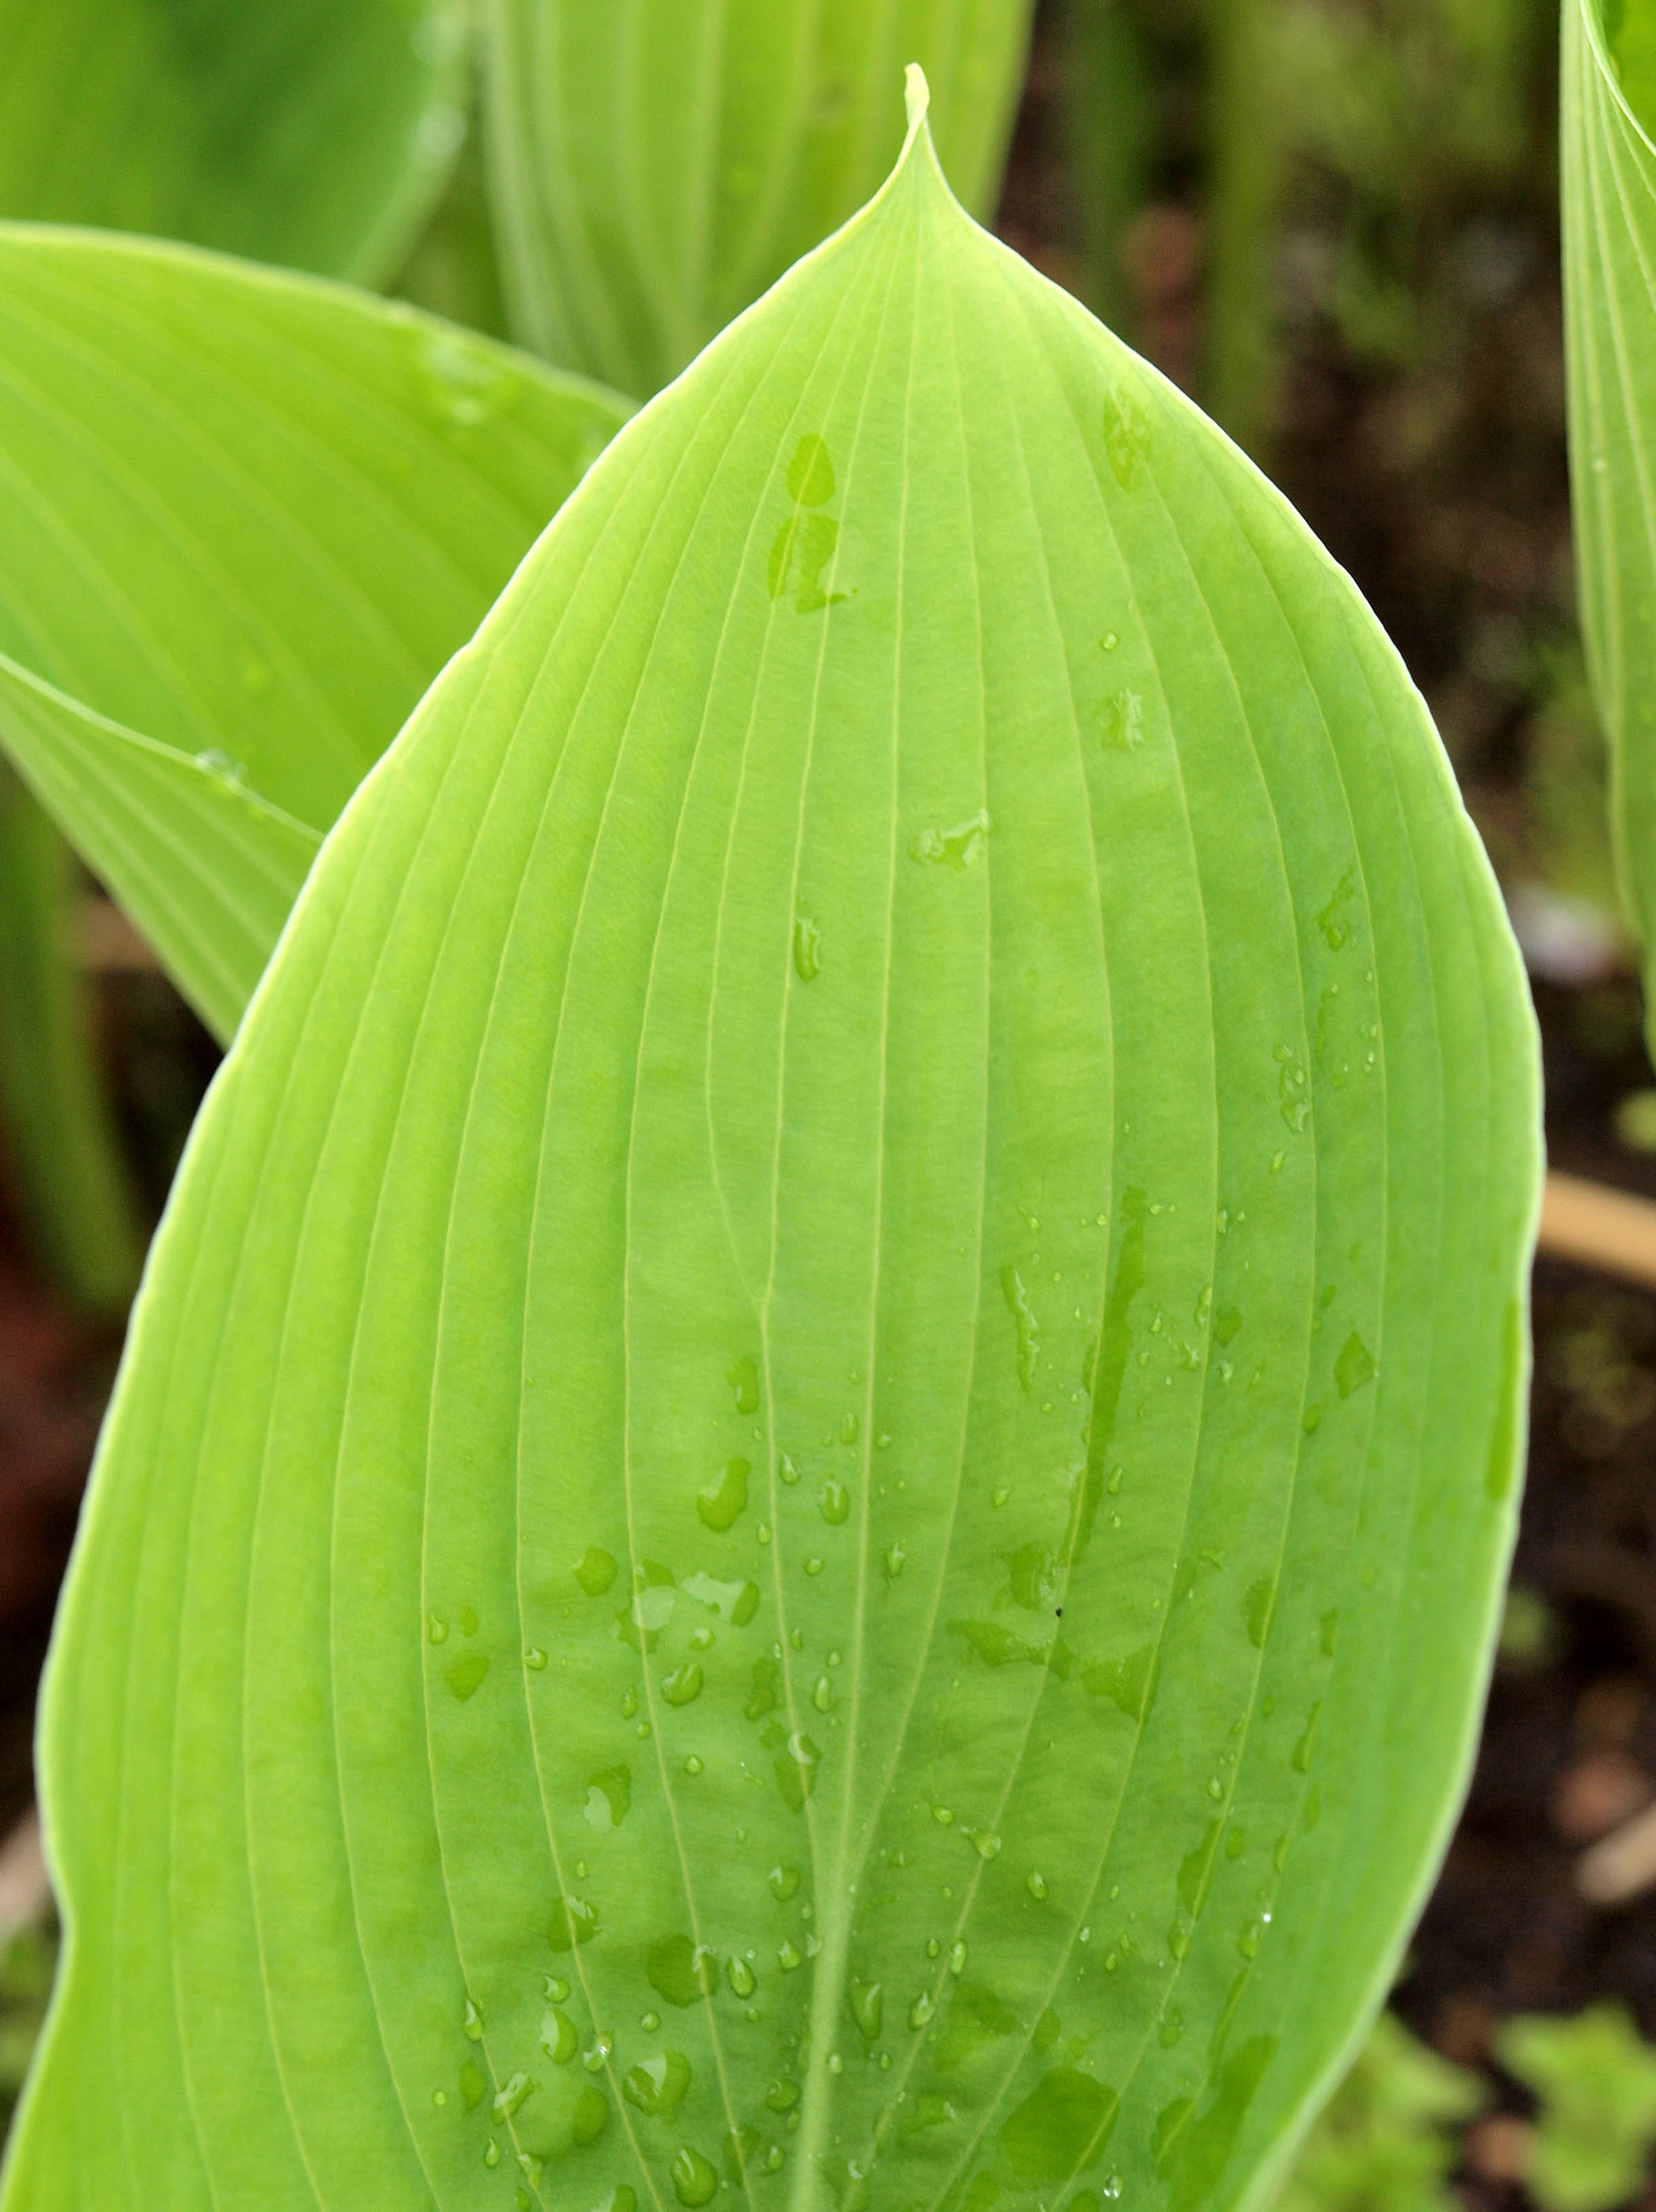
{"x":811,"y":1489}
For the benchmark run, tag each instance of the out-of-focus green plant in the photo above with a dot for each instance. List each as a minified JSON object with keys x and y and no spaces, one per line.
{"x":72,"y":1184}
{"x":1413,"y":106}
{"x":1106,"y":95}
{"x":1386,"y":2143}
{"x":28,"y":1957}
{"x":1596,"y":2079}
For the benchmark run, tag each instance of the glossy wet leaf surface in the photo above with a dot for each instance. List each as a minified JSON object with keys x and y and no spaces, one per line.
{"x":246,"y":518}
{"x":1610,"y":273}
{"x":657,"y":166}
{"x":312,"y":132}
{"x":719,"y":1577}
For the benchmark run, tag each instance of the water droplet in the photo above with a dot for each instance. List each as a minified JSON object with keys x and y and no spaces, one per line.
{"x":590,"y":2117}
{"x":692,"y":1764}
{"x":1126,"y":434}
{"x":957,"y":1959}
{"x":471,"y":2023}
{"x":465,"y":1677}
{"x":574,"y":1922}
{"x":1354,"y":1367}
{"x":534,"y":1659}
{"x":513,"y":2096}
{"x":683,"y":1685}
{"x":836,"y":2063}
{"x":1121,"y":722}
{"x":921,"y":2011}
{"x":1036,"y":1885}
{"x":835,"y":1500}
{"x":558,"y":2039}
{"x":782,"y":2095}
{"x":658,"y":2084}
{"x":682,"y":1971}
{"x":440,"y":2097}
{"x":822,"y":1696}
{"x":894,"y":1560}
{"x":1215,"y":1788}
{"x":811,"y":472}
{"x":868,"y":2008}
{"x":437,"y":1630}
{"x":943,"y":1816}
{"x":597,"y":2058}
{"x":557,"y":1988}
{"x":788,"y":1956}
{"x":1303,"y":1748}
{"x":1110,"y":641}
{"x":1026,"y":1327}
{"x":784,"y":1882}
{"x":987,"y":1843}
{"x":595,"y":1571}
{"x":609,"y":1797}
{"x":814,"y":1564}
{"x":775,"y":2158}
{"x":960,"y":847}
{"x":740,"y":1975}
{"x":491,"y":2154}
{"x":720,"y":1503}
{"x":788,"y":1471}
{"x":1060,"y":2127}
{"x":221,"y":765}
{"x":807,"y":949}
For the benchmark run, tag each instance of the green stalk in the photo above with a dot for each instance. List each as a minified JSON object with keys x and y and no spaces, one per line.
{"x":55,"y":1115}
{"x":1108,"y":130}
{"x":1241,"y":364}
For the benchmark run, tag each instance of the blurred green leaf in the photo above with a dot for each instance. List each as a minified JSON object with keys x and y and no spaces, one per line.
{"x":1596,"y":2079}
{"x":247,"y":516}
{"x":838,"y":1370}
{"x":312,"y":132}
{"x":657,"y":166}
{"x":1610,"y":287}
{"x":1384,"y":2144}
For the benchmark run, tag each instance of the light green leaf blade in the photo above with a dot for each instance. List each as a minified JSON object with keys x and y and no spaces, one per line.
{"x":656,"y":166}
{"x":811,"y":1489}
{"x":247,"y":516}
{"x":312,"y":132}
{"x":1609,"y":97}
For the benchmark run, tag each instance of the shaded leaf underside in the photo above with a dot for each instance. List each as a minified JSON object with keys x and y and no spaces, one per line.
{"x":316,"y":133}
{"x":246,"y":516}
{"x":810,"y":1489}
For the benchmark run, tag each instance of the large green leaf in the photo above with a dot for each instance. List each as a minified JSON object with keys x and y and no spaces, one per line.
{"x":656,"y":166}
{"x":812,"y":1484}
{"x":314,"y":132}
{"x":1610,"y":291}
{"x":245,"y":519}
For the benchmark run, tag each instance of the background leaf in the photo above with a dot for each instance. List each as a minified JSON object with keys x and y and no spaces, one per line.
{"x":656,"y":167}
{"x":77,"y":1202}
{"x":247,"y":517}
{"x":813,"y":1482}
{"x":1610,"y":287}
{"x":312,"y":132}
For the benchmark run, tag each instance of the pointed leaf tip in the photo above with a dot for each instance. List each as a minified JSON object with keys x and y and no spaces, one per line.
{"x":916,"y":96}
